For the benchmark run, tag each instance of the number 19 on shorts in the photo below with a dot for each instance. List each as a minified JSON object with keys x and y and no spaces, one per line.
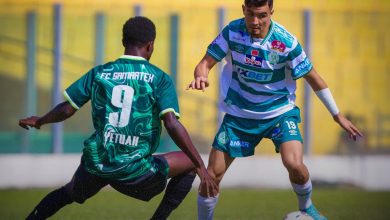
{"x":291,"y":125}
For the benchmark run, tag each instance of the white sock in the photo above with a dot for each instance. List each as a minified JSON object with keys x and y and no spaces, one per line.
{"x":206,"y":206}
{"x":303,"y":194}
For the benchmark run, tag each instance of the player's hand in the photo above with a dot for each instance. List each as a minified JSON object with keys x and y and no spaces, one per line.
{"x":32,"y":121}
{"x":199,"y":83}
{"x":348,"y":126}
{"x":207,"y":187}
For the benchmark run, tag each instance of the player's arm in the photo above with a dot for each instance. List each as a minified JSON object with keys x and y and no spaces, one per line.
{"x":59,"y":113}
{"x":201,"y":73}
{"x":180,"y":136}
{"x":322,"y":91}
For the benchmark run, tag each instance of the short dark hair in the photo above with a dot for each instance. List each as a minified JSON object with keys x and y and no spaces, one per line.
{"x":258,"y":3}
{"x":138,"y":31}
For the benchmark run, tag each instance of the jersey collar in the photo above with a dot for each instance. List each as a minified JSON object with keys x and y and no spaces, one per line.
{"x":129,"y":57}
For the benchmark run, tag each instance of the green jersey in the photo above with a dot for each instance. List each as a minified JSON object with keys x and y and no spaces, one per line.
{"x":128,"y":96}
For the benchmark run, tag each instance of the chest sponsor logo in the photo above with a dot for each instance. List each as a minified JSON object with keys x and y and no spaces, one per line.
{"x":278,"y":46}
{"x":253,"y":60}
{"x":260,"y":77}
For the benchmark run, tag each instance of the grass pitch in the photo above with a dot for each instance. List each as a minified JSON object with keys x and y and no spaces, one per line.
{"x":234,"y":204}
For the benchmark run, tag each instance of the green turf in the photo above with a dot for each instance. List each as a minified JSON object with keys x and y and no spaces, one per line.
{"x":237,"y":204}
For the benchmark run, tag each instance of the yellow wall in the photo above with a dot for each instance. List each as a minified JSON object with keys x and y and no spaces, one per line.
{"x":350,"y":49}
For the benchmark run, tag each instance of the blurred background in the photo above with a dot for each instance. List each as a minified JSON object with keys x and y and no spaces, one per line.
{"x":45,"y":45}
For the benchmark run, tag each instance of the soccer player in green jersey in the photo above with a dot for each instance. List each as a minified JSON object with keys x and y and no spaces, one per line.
{"x":258,"y":96}
{"x":129,"y":98}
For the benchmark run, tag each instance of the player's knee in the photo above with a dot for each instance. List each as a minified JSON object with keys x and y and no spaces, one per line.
{"x":298,"y":172}
{"x":296,"y":168}
{"x":293,"y":165}
{"x":73,"y":194}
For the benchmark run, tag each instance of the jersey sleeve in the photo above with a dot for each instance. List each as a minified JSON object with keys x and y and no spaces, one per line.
{"x":298,"y":62}
{"x":220,"y":46}
{"x":167,"y":97}
{"x":79,"y":92}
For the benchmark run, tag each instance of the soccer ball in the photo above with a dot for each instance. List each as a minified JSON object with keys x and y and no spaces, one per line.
{"x":297,"y":215}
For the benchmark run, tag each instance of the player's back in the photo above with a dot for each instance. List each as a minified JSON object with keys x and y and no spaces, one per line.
{"x":127,"y":96}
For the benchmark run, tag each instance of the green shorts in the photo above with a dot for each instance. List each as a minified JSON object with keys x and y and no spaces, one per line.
{"x":239,"y":136}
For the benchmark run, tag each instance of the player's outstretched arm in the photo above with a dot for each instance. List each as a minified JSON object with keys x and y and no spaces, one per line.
{"x":180,"y":136}
{"x":59,"y":113}
{"x":322,"y":91}
{"x":201,"y":73}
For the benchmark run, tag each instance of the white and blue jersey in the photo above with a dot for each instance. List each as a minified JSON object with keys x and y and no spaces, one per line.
{"x":258,"y":81}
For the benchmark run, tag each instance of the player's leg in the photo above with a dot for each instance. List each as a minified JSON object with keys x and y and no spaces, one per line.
{"x":218,"y":164}
{"x":82,"y":186}
{"x":288,"y":141}
{"x":292,"y":157}
{"x":236,"y":137}
{"x":175,"y":165}
{"x":182,"y":174}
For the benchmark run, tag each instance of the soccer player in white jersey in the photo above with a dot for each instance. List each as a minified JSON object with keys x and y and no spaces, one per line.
{"x":258,"y":97}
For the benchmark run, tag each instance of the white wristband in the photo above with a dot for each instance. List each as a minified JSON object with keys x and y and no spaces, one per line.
{"x":326,"y":97}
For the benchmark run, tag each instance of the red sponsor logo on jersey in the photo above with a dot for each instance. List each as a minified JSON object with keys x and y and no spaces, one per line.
{"x":278,"y":45}
{"x":253,"y":60}
{"x":255,"y":53}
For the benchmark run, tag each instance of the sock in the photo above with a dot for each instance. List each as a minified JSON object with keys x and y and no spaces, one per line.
{"x":206,"y":207}
{"x":303,"y":194}
{"x":49,"y":205}
{"x":177,"y":189}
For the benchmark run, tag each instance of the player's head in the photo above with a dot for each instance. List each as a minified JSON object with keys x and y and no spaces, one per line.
{"x":259,"y":3}
{"x":257,"y":16}
{"x":139,"y":33}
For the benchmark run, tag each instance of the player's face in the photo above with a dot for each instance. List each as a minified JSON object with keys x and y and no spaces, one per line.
{"x":257,"y":20}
